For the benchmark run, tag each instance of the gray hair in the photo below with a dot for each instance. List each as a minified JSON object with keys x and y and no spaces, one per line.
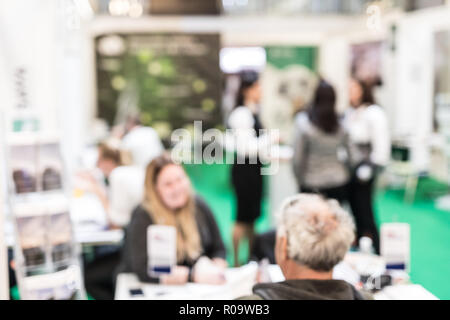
{"x":318,"y":231}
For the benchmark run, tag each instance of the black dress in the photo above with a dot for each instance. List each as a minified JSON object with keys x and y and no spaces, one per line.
{"x":247,"y":182}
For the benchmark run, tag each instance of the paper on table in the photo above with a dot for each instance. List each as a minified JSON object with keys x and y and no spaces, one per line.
{"x":276,"y":275}
{"x":239,"y":283}
{"x":405,"y":292}
{"x":343,"y":271}
{"x":88,"y":212}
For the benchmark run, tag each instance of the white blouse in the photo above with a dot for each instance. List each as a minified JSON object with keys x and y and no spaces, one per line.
{"x":144,"y":145}
{"x":369,"y":125}
{"x":126,"y":190}
{"x":244,"y":139}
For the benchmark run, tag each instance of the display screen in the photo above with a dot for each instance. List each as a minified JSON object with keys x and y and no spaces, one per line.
{"x":172,"y":79}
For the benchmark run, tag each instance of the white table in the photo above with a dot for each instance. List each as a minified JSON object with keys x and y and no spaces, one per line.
{"x":239,"y":283}
{"x":99,"y":238}
{"x":89,"y":221}
{"x":405,"y":292}
{"x":241,"y":280}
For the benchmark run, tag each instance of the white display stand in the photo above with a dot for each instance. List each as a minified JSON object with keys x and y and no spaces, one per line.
{"x":46,"y":256}
{"x":4,"y":282}
{"x":89,"y":224}
{"x":4,"y":277}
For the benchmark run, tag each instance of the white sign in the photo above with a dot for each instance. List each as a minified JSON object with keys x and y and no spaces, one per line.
{"x":161,"y":249}
{"x":395,"y":245}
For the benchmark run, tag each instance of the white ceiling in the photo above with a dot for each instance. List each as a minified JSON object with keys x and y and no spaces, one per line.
{"x":272,"y":7}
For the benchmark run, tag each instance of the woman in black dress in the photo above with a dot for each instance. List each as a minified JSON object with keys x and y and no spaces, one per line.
{"x":246,"y":175}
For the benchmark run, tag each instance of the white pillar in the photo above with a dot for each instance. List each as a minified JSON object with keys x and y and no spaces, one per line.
{"x":4,"y":277}
{"x":4,"y":281}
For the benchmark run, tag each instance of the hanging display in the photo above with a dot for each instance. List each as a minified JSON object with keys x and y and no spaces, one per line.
{"x":171,"y":79}
{"x":288,"y":83}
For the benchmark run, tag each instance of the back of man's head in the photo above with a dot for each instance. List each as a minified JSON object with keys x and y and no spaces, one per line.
{"x":318,"y":232}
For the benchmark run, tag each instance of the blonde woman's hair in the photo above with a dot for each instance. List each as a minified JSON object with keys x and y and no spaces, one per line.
{"x":183,"y":219}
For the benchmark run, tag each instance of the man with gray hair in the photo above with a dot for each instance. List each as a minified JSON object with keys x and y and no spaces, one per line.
{"x":313,"y":236}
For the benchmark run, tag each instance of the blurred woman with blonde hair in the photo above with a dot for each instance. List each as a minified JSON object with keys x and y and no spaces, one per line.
{"x":169,"y":200}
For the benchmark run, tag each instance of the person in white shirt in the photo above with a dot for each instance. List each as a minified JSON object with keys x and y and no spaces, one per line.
{"x":142,"y":142}
{"x":124,"y":184}
{"x":370,"y":149}
{"x":246,"y":175}
{"x":126,"y":176}
{"x":123,"y":193}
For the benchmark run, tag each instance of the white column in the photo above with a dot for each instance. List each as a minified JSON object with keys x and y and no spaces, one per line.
{"x":4,"y":277}
{"x":4,"y":281}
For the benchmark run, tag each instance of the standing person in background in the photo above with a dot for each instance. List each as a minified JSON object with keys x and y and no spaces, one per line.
{"x":370,"y":149}
{"x":246,"y":175}
{"x":143,"y":142}
{"x":321,"y":148}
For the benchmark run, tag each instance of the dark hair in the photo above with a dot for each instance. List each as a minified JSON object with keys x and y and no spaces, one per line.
{"x":248,"y":80}
{"x":322,"y":112}
{"x":367,"y":91}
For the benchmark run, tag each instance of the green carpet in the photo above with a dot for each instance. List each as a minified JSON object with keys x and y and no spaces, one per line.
{"x":213,"y":184}
{"x":430,"y":235}
{"x":430,"y":227}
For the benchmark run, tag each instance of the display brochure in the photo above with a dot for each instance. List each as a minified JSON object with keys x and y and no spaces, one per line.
{"x":61,"y":285}
{"x":36,"y":165}
{"x":161,"y":249}
{"x":45,"y":247}
{"x":395,"y":245}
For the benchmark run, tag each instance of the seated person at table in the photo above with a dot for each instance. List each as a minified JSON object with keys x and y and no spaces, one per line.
{"x":124,"y":183}
{"x":119,"y":195}
{"x":313,"y":236}
{"x":169,"y":200}
{"x":141,"y":141}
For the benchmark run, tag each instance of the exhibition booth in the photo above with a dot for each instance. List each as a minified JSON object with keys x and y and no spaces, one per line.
{"x":73,"y":71}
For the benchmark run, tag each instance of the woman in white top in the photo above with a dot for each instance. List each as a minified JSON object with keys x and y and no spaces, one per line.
{"x":246,"y":175}
{"x":370,"y":149}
